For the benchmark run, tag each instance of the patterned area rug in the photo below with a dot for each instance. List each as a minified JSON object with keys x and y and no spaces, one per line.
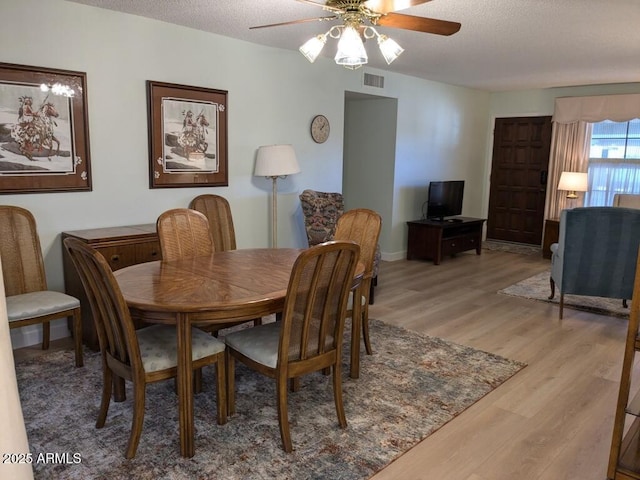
{"x":510,"y":247}
{"x":411,"y":386}
{"x":537,"y":288}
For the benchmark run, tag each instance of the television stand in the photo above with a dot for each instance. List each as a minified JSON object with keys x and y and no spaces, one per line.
{"x":433,"y":239}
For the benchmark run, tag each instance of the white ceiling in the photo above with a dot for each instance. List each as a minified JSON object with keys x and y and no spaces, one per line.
{"x":502,"y":45}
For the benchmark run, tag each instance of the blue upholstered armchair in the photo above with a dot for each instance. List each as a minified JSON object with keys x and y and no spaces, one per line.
{"x":596,"y":252}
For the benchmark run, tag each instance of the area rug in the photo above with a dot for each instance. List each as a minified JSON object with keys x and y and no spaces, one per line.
{"x":537,"y":288}
{"x":510,"y":247}
{"x":411,"y":386}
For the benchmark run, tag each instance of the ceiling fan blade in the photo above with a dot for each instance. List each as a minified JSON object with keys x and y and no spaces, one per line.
{"x":304,"y":20}
{"x":386,"y":6}
{"x":419,"y":24}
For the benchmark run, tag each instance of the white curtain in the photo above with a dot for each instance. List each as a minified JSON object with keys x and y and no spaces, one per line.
{"x":571,"y":139}
{"x":569,"y":153}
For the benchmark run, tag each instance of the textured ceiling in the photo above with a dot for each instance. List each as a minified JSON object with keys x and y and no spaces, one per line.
{"x":502,"y":45}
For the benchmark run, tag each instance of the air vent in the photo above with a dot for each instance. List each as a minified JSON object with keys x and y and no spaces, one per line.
{"x":371,"y":80}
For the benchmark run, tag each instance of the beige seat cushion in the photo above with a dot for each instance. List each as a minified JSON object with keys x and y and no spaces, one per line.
{"x":37,"y":304}
{"x":158,"y":346}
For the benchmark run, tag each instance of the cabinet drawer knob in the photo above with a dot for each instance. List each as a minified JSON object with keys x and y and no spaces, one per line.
{"x":115,"y":258}
{"x":154,"y":254}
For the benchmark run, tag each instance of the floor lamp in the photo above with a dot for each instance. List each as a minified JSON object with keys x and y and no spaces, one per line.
{"x":275,"y":161}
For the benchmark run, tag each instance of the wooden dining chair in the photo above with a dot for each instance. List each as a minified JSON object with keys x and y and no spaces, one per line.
{"x":184,"y":233}
{"x":141,"y":356}
{"x":29,"y":301}
{"x":362,"y":226}
{"x":309,"y":336}
{"x":218,"y":212}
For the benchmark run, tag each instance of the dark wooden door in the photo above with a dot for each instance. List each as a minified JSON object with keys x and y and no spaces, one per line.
{"x":518,"y":179}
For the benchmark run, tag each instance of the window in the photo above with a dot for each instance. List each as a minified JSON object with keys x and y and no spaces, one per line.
{"x":614,"y":161}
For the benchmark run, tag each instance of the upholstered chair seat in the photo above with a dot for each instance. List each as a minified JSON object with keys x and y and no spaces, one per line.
{"x":159,"y":346}
{"x":37,"y":304}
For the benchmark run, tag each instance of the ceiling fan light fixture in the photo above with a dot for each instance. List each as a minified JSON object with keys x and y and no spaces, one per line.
{"x":312,"y":47}
{"x":389,"y":48}
{"x":351,"y":52}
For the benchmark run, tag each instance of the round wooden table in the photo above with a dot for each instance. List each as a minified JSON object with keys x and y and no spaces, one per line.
{"x":234,"y":285}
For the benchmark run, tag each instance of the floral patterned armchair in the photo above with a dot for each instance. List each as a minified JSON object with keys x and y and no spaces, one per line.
{"x":321,"y":211}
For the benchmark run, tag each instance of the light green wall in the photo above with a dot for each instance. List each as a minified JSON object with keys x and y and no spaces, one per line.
{"x":442,"y":131}
{"x":273,"y":95}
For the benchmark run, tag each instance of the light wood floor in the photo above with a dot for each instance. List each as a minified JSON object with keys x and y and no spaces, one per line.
{"x":553,"y":420}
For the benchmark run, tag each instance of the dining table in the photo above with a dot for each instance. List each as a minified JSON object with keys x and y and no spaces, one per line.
{"x":225,"y":287}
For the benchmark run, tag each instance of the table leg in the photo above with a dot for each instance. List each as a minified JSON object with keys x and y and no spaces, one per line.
{"x":185,"y":391}
{"x":356,"y":328}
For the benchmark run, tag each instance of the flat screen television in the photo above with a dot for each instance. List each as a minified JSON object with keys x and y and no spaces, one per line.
{"x":445,"y":199}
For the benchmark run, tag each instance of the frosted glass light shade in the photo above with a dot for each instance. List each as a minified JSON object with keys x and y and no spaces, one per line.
{"x":351,"y":52}
{"x":573,"y":182}
{"x":276,"y":161}
{"x":389,"y":48}
{"x":312,"y":47}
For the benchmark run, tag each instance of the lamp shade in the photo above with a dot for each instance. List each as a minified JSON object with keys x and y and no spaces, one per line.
{"x":276,"y":161}
{"x":573,"y":182}
{"x":351,"y":52}
{"x":312,"y":47}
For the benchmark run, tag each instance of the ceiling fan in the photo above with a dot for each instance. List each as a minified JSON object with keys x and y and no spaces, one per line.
{"x":359,"y":19}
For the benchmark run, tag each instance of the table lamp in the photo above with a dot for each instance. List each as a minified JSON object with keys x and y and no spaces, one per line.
{"x":573,"y":182}
{"x":275,"y":161}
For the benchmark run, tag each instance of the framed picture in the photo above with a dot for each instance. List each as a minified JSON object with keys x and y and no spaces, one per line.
{"x":187,"y":136}
{"x":44,"y":130}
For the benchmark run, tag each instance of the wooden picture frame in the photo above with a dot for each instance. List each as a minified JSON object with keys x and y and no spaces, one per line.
{"x":187,"y":136}
{"x":44,"y":130}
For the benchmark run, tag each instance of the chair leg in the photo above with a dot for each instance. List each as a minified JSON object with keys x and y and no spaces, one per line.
{"x":230,"y":378}
{"x":257,"y":321}
{"x":283,"y":415}
{"x":119,"y":391}
{"x":107,"y":382}
{"x":221,"y":389}
{"x":365,"y":332}
{"x":46,"y":335}
{"x":624,"y":303}
{"x":197,"y":381}
{"x":337,"y":394}
{"x":138,"y":419}
{"x":561,"y":304}
{"x":372,"y":287}
{"x":77,"y":337}
{"x":552,"y":284}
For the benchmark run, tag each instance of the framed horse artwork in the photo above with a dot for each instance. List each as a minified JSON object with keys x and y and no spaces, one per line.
{"x":187,"y":136}
{"x":44,"y":130}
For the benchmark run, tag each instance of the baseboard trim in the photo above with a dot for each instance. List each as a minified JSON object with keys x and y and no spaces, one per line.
{"x":32,"y":334}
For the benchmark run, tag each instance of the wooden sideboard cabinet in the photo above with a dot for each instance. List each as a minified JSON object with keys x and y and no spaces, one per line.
{"x":121,"y":247}
{"x":432,"y":239}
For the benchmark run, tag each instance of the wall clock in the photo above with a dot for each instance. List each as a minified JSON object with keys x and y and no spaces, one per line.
{"x":320,"y":129}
